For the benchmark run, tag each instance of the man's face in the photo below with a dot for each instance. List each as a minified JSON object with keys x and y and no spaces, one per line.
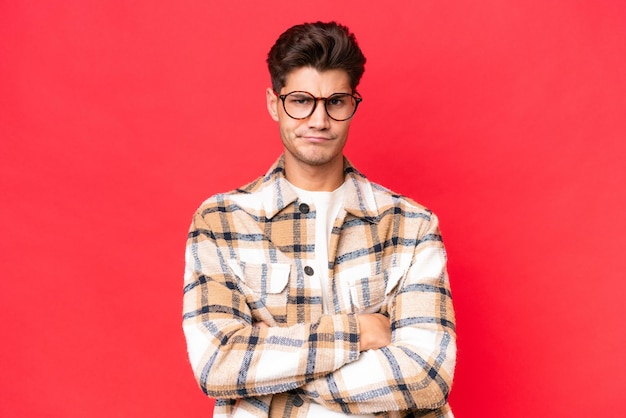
{"x":317,"y":140}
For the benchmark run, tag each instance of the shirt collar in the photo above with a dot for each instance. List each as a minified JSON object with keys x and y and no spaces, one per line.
{"x":359,"y":200}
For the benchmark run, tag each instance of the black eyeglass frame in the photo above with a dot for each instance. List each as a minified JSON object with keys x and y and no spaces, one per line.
{"x":357,"y":99}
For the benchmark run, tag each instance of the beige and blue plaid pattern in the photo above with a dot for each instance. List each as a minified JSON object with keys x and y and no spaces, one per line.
{"x":250,"y":257}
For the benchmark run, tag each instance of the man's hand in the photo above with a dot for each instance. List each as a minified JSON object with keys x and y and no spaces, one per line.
{"x":375,"y":331}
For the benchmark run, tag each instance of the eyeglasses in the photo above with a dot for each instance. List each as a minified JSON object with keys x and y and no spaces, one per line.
{"x":302,"y":104}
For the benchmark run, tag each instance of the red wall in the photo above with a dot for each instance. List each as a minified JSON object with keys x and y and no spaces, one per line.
{"x":117,"y":119}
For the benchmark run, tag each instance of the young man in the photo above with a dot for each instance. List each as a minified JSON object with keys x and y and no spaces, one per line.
{"x":312,"y":292}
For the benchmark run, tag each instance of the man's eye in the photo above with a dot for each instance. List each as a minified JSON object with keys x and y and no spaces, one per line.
{"x":300,"y":100}
{"x":338,"y":101}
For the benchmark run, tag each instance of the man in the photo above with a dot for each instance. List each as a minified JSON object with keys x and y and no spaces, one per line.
{"x":312,"y":292}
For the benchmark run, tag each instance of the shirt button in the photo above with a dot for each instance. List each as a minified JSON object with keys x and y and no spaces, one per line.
{"x":308,"y":270}
{"x":297,"y":401}
{"x":304,"y":208}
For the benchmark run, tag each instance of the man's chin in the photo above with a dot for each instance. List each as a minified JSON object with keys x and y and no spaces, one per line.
{"x":314,"y":159}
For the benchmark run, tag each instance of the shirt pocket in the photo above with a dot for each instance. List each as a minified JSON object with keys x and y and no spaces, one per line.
{"x":367,"y":295}
{"x":265,"y":287}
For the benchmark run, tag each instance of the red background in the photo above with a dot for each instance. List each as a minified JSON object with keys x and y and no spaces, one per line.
{"x":507,"y":118}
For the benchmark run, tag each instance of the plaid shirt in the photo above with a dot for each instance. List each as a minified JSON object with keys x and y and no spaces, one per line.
{"x":250,"y":257}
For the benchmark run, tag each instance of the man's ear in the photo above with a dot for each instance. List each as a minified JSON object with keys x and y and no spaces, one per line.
{"x":272,"y":103}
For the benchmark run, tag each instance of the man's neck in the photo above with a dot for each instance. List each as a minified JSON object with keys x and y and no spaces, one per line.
{"x":322,"y":178}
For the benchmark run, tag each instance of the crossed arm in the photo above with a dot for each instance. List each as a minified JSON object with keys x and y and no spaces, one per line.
{"x":374,"y":331}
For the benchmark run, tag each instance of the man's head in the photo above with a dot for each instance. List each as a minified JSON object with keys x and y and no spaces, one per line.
{"x":315,"y":69}
{"x":322,"y":46}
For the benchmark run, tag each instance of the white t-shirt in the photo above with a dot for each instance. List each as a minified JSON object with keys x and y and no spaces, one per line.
{"x":327,"y":207}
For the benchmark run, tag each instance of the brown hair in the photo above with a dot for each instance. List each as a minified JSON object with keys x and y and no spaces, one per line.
{"x":320,"y":45}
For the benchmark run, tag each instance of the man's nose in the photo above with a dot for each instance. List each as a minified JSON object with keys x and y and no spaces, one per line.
{"x":319,"y":119}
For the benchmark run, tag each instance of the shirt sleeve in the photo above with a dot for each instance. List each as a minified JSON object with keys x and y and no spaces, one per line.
{"x":230,"y":357}
{"x":415,"y":371}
